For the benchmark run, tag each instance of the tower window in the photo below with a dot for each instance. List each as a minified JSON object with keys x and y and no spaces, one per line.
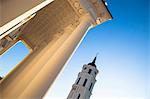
{"x":78,"y":96}
{"x":84,"y":82}
{"x":89,"y":71}
{"x":90,"y":86}
{"x":78,"y":80}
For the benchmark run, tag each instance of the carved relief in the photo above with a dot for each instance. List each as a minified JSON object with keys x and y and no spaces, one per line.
{"x":77,"y":7}
{"x":50,"y":23}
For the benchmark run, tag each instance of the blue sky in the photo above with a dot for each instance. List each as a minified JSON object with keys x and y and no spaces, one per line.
{"x":122,"y":44}
{"x":12,"y":57}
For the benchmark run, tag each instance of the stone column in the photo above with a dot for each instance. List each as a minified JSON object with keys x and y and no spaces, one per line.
{"x":44,"y":77}
{"x":40,"y":84}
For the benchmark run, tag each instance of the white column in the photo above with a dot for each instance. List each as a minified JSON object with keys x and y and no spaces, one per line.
{"x":40,"y":84}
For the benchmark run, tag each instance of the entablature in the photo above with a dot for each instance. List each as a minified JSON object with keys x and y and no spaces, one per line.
{"x":53,"y":19}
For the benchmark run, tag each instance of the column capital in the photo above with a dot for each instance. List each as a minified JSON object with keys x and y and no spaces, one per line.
{"x":95,"y":8}
{"x":87,"y":18}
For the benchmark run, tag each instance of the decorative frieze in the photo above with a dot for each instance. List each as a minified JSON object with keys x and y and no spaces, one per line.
{"x":50,"y":22}
{"x":77,"y":7}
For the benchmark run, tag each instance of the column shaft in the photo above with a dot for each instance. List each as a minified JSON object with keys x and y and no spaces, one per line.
{"x":40,"y":84}
{"x":36,"y":75}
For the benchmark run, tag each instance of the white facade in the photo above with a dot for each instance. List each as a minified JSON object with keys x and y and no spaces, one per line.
{"x":83,"y":86}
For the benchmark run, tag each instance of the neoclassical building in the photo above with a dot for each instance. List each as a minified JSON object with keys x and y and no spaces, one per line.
{"x":83,"y":86}
{"x":52,"y":30}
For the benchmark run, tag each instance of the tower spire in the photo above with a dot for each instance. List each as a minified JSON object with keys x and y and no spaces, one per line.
{"x":93,"y":62}
{"x":83,"y":86}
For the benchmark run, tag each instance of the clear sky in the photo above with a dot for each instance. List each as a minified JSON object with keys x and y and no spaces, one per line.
{"x":14,"y":56}
{"x":122,"y":44}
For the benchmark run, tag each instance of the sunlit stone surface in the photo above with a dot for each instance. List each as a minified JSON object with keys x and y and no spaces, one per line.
{"x":52,"y":31}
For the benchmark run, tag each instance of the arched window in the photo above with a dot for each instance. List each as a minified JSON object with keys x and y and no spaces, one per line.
{"x":90,"y":70}
{"x":85,"y":68}
{"x":78,"y":80}
{"x":90,"y":86}
{"x":78,"y":96}
{"x":84,"y":82}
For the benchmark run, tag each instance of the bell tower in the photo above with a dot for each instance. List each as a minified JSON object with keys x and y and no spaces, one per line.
{"x":83,"y":86}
